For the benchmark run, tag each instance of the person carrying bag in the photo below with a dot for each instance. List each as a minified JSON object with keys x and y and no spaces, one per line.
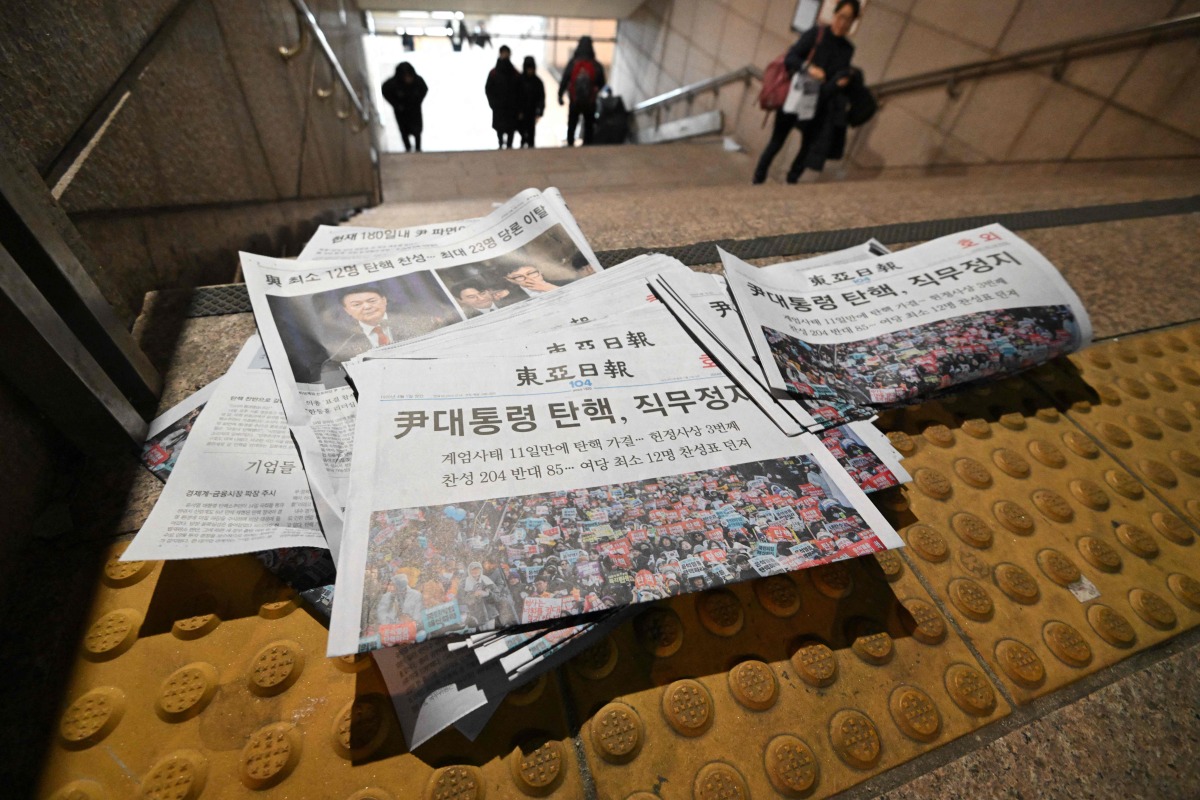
{"x":819,"y":63}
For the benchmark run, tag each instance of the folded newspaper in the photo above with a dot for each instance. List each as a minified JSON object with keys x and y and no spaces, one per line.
{"x":523,"y":455}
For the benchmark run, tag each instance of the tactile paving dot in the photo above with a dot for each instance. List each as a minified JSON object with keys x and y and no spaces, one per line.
{"x":186,"y":691}
{"x":688,"y":707}
{"x":778,"y":595}
{"x":598,"y":661}
{"x":456,"y":782}
{"x":855,"y":738}
{"x":276,"y":667}
{"x":720,"y":612}
{"x":112,"y":634}
{"x":1124,"y":484}
{"x":1067,"y":643}
{"x":791,"y":766}
{"x":915,"y":713}
{"x":659,"y":632}
{"x":374,"y":793}
{"x":120,"y":573}
{"x":971,"y":529}
{"x":979,"y":428}
{"x":270,"y":755}
{"x":178,"y":776}
{"x":931,"y":628}
{"x":932,"y":483}
{"x":1090,"y":493}
{"x":1020,"y":663}
{"x":891,"y":563}
{"x":92,"y":717}
{"x":753,"y":684}
{"x":80,"y":790}
{"x":195,"y":626}
{"x":816,"y":664}
{"x":616,"y":732}
{"x":529,"y":693}
{"x":1011,"y":462}
{"x":832,"y":580}
{"x":537,"y":770}
{"x":902,"y":442}
{"x":1058,"y":567}
{"x":973,"y":473}
{"x":926,"y":542}
{"x":1186,"y":588}
{"x":1080,"y":444}
{"x":874,"y":648}
{"x":1136,"y":540}
{"x":939,"y":435}
{"x":1053,"y":505}
{"x":1047,"y":453}
{"x":1018,"y":584}
{"x":1111,"y":626}
{"x":970,"y":598}
{"x":361,"y":726}
{"x":1152,"y":609}
{"x":1099,"y":554}
{"x":970,"y":690}
{"x":1013,"y":517}
{"x":719,"y":781}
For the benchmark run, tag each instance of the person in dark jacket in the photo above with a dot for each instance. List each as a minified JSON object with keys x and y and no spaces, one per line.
{"x":829,"y":64}
{"x":504,"y":96}
{"x":582,"y":80}
{"x":405,"y":91}
{"x":533,"y":101}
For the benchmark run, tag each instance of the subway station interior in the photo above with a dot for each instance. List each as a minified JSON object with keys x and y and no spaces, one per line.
{"x":144,"y":145}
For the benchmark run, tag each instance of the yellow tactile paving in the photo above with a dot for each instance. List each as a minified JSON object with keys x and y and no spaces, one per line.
{"x":1019,"y":519}
{"x":207,"y":679}
{"x":179,"y":694}
{"x":800,"y":685}
{"x":1144,"y":407}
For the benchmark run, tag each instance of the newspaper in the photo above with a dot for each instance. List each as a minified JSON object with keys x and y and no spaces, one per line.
{"x":314,"y":316}
{"x":168,"y":432}
{"x":900,"y":327}
{"x":349,"y":243}
{"x":239,"y":486}
{"x":629,"y":489}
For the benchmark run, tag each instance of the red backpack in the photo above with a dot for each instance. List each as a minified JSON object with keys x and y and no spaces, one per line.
{"x":775,"y":85}
{"x":583,"y":84}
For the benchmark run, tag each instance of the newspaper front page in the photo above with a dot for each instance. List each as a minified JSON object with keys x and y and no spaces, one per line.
{"x":973,"y":305}
{"x":315,"y":316}
{"x":239,"y":486}
{"x":585,"y":497}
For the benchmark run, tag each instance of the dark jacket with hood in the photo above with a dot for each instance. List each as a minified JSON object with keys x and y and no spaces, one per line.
{"x":405,"y":98}
{"x":533,"y":92}
{"x":504,"y":95}
{"x":583,"y":52}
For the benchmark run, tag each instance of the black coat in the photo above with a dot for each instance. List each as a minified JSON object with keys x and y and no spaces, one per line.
{"x":825,"y":133}
{"x":405,"y":99}
{"x":504,"y":95}
{"x":532,"y":97}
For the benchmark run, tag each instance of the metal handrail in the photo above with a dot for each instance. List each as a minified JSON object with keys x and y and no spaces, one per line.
{"x":319,"y":35}
{"x":1058,"y":54}
{"x":699,"y":87}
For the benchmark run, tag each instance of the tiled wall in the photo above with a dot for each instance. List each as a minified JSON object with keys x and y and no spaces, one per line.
{"x":1135,"y":103}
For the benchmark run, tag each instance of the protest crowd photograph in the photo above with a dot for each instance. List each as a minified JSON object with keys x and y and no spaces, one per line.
{"x":904,"y":365}
{"x":525,"y":559}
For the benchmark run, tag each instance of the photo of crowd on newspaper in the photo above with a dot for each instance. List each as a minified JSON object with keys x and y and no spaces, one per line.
{"x":860,"y":461}
{"x":495,"y":563}
{"x":160,"y":452}
{"x":907,"y":364}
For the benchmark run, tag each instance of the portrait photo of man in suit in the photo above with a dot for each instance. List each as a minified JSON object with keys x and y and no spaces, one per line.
{"x":477,"y":298}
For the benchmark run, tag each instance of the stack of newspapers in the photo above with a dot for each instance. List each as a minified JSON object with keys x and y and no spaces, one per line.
{"x":500,"y":448}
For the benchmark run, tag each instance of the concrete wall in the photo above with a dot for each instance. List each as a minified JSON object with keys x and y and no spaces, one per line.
{"x":1132,"y":104}
{"x":218,"y":127}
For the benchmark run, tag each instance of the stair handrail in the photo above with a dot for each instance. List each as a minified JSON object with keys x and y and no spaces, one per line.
{"x":744,"y":74}
{"x":314,"y":28}
{"x":1058,"y":53}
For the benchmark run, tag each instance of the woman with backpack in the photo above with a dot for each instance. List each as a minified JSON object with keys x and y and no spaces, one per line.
{"x":824,"y":54}
{"x":582,"y":79}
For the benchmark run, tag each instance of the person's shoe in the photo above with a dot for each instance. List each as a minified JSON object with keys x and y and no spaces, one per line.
{"x":792,"y":178}
{"x":757,"y":179}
